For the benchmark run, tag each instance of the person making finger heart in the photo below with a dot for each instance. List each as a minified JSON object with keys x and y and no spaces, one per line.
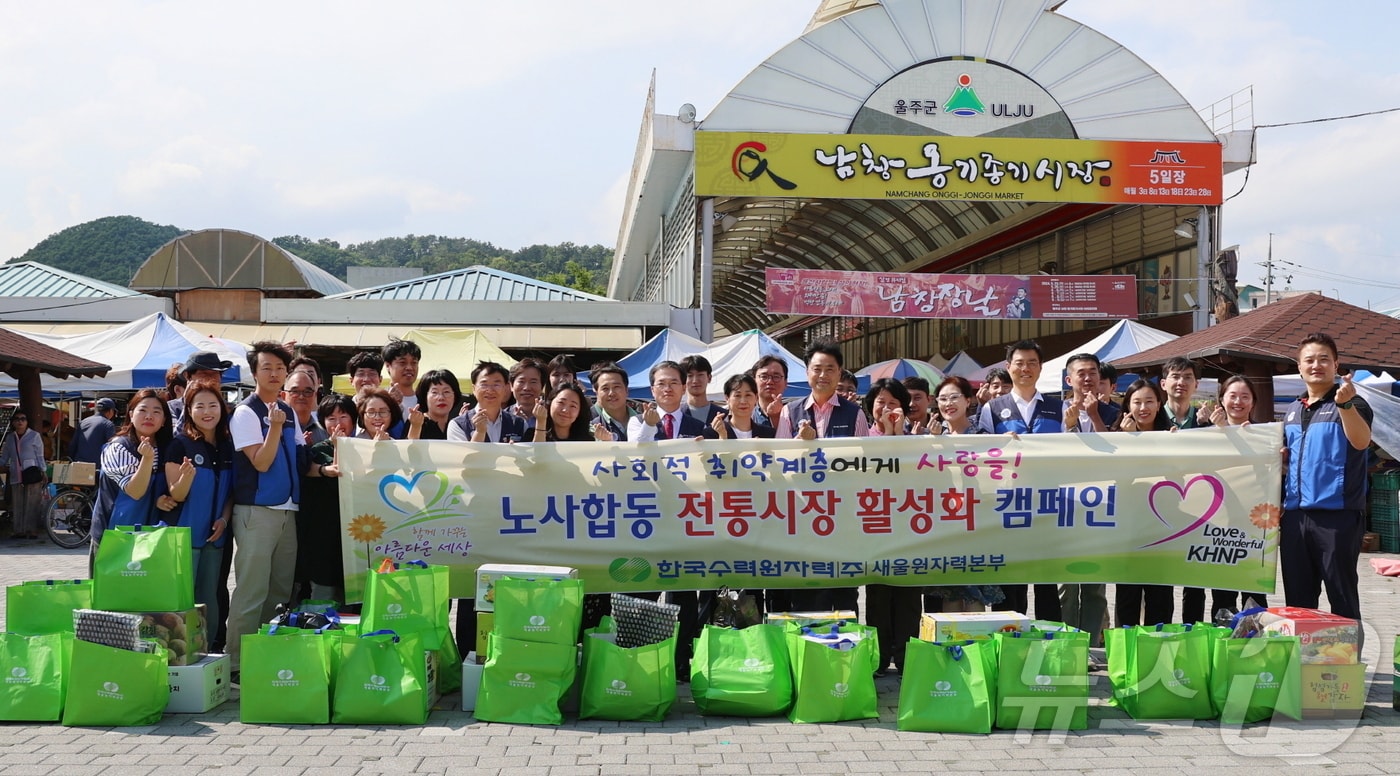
{"x":666,"y":417}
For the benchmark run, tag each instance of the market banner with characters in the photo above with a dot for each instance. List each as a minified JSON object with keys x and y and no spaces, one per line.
{"x":1197,"y":508}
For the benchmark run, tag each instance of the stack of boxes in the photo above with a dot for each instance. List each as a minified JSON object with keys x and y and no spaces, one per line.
{"x":1334,"y":681}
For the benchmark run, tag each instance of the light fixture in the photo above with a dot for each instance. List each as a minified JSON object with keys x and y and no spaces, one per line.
{"x":724,"y":222}
{"x":1186,"y":229}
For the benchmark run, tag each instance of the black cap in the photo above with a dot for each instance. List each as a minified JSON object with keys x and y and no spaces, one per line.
{"x":203,"y":359}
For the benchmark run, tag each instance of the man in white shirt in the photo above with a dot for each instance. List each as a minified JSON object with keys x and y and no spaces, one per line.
{"x":401,"y":359}
{"x":666,"y":417}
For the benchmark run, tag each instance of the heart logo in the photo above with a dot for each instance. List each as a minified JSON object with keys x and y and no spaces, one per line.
{"x":399,"y":492}
{"x":1194,"y":503}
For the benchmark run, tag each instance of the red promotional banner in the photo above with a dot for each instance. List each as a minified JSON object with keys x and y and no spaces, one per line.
{"x":901,"y":295}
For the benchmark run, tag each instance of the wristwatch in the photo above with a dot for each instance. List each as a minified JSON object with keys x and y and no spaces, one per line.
{"x":1346,"y":405}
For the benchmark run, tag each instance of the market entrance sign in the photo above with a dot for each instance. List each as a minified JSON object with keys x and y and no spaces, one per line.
{"x":812,"y":166}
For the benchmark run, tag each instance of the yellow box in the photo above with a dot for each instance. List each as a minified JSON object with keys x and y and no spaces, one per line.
{"x":1334,"y":690}
{"x":485,"y":623}
{"x":808,"y":619}
{"x":959,"y":626}
{"x":488,"y":573}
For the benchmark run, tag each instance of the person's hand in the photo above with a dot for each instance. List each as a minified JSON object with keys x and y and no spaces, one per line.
{"x":917,"y":428}
{"x":306,"y":437}
{"x":397,"y":393}
{"x":773,"y":410}
{"x":165,"y":503}
{"x":984,"y":394}
{"x":1346,"y":391}
{"x":1203,"y":415}
{"x":479,"y":426}
{"x":1218,"y":416}
{"x":1129,"y":423}
{"x":893,"y":422}
{"x":415,"y":417}
{"x":541,"y":413}
{"x":601,"y":433}
{"x":275,"y":416}
{"x":336,"y":434}
{"x":218,"y":532}
{"x":186,"y":470}
{"x":146,"y":448}
{"x":382,"y":435}
{"x":1089,"y":404}
{"x":330,"y":470}
{"x":934,"y":427}
{"x":651,"y":417}
{"x":719,"y":426}
{"x":805,"y":431}
{"x":1071,"y":414}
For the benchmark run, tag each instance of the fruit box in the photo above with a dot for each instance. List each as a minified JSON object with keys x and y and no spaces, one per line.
{"x":959,"y":626}
{"x":809,"y":619}
{"x":1323,"y":637}
{"x":198,"y":687}
{"x":488,"y":573}
{"x":183,"y":634}
{"x":1334,"y":690}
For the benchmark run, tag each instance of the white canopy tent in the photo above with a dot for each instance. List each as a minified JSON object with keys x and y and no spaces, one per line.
{"x":1123,"y":339}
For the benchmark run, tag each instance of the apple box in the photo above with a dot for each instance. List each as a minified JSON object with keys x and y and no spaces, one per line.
{"x":198,"y":687}
{"x":1323,"y":637}
{"x":1334,"y":690}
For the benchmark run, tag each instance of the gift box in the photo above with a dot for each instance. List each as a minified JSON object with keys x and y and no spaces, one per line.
{"x":471,"y":680}
{"x":199,"y":686}
{"x":809,"y":618}
{"x":485,"y":623}
{"x":961,"y":626}
{"x":75,"y":473}
{"x":182,"y":634}
{"x":1325,"y":638}
{"x":488,"y":573}
{"x":1331,"y":691}
{"x":110,"y":629}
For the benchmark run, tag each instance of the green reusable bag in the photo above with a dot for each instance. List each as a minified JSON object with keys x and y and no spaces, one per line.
{"x":45,"y":606}
{"x":1043,"y":681}
{"x":413,"y":598}
{"x":382,"y":679}
{"x":35,"y":676}
{"x":1255,"y":678}
{"x":741,"y":673}
{"x":544,"y":610}
{"x":626,"y":683}
{"x":948,"y":687}
{"x":144,"y":569}
{"x":286,"y":676}
{"x":524,"y":681}
{"x":108,"y":686}
{"x":832,"y":685}
{"x":1161,"y":671}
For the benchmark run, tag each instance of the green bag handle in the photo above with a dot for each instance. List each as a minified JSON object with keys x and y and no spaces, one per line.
{"x":956,"y":651}
{"x":1049,"y":635}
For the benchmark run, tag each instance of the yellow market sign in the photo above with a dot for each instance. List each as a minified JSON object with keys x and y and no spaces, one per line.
{"x":743,"y":164}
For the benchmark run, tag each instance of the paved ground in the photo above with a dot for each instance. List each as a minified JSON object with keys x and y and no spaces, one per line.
{"x":687,"y":743}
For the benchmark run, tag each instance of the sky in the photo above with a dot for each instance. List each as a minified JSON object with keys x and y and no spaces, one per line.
{"x":515,"y":123}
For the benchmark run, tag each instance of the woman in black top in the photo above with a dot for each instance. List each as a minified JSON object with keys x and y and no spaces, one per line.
{"x":439,"y":401}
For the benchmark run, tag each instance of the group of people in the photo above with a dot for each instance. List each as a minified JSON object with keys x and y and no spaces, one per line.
{"x":255,"y":482}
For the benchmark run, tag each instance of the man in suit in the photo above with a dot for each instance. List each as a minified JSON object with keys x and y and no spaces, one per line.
{"x":1025,"y":411}
{"x":666,"y":417}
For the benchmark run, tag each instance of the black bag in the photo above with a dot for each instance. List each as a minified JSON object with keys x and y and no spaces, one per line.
{"x":32,"y":475}
{"x":731,"y":609}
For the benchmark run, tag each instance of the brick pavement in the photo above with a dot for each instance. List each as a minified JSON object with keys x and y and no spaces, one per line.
{"x":687,"y":743}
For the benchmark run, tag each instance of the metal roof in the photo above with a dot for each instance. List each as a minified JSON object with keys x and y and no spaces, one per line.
{"x":229,"y":258}
{"x":33,"y":279}
{"x":473,"y":284}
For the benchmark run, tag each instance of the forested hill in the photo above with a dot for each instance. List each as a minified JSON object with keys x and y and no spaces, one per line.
{"x":112,"y":248}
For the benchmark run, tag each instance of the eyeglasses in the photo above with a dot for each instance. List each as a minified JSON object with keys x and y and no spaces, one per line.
{"x":376,"y":413}
{"x":302,"y":392}
{"x":666,"y":384}
{"x":768,"y":377}
{"x":950,"y":398}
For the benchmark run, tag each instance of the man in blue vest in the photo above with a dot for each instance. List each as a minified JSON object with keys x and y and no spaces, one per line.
{"x":1025,"y":411}
{"x":1326,"y":432}
{"x":267,"y":471}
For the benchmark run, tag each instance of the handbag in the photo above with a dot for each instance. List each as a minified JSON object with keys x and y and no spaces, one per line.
{"x":742,"y":673}
{"x":108,"y":686}
{"x":948,"y":688}
{"x":1252,"y":679}
{"x":34,"y":670}
{"x":523,"y":682}
{"x":832,"y":684}
{"x":627,"y":683}
{"x":31,"y":475}
{"x":1162,"y":671}
{"x":144,"y":569}
{"x":287,"y":675}
{"x":45,"y":606}
{"x":381,"y":680}
{"x":1043,"y":681}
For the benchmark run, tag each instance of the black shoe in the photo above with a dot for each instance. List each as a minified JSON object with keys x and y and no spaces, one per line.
{"x":234,"y":677}
{"x":880,"y":673}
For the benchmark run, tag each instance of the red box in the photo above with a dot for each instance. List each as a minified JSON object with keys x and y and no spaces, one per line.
{"x":1325,"y":638}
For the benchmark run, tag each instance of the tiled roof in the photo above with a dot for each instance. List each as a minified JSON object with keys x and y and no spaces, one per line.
{"x":473,"y":284}
{"x":1272,"y":333}
{"x":32,"y":279}
{"x":19,"y":350}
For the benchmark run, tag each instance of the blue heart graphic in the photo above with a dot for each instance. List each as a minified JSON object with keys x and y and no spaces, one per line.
{"x":408,"y":485}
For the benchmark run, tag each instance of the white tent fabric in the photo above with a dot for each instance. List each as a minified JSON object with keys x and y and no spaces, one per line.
{"x":962,"y":365}
{"x":1385,"y":427}
{"x":737,"y":353}
{"x":139,"y":352}
{"x":1123,"y":339}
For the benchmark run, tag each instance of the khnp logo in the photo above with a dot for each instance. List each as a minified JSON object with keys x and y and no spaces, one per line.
{"x":521,"y":679}
{"x":942,"y":689}
{"x":537,"y":624}
{"x":18,"y":675}
{"x":285,"y":678}
{"x":1179,"y":678}
{"x":617,"y":687}
{"x":840,"y":690}
{"x":377,"y":683}
{"x":1267,"y":681}
{"x":111,"y":690}
{"x":753,"y":665}
{"x":133,"y":569}
{"x":1043,"y":683}
{"x":394,"y":610}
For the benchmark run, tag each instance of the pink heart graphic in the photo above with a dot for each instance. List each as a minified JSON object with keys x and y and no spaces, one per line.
{"x":1217,"y":499}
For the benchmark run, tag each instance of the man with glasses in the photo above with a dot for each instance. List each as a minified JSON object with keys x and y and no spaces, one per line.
{"x":365,"y":370}
{"x":611,"y":411}
{"x":489,"y":421}
{"x":299,"y":392}
{"x":771,"y":374}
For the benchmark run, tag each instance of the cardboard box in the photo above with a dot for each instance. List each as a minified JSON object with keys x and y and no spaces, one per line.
{"x":808,"y":619}
{"x":485,"y":623}
{"x":75,"y":473}
{"x":960,"y":626}
{"x":1324,"y":638}
{"x":183,"y":634}
{"x":471,"y":681}
{"x":199,"y":687}
{"x":1334,"y":690}
{"x":488,"y":573}
{"x":433,"y":663}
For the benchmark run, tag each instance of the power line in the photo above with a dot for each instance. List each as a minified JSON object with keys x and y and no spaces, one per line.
{"x":1329,"y":118}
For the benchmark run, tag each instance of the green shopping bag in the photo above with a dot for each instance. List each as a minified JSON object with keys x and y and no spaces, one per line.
{"x":108,"y":686}
{"x":741,"y":673}
{"x":286,"y":676}
{"x":144,"y":569}
{"x":626,"y":683}
{"x":45,"y":606}
{"x":1043,"y":681}
{"x":382,"y":679}
{"x":414,"y":598}
{"x":831,"y":684}
{"x":1162,"y":671}
{"x":35,"y":676}
{"x":1255,"y":678}
{"x":544,"y":610}
{"x":948,"y":687}
{"x":524,"y":681}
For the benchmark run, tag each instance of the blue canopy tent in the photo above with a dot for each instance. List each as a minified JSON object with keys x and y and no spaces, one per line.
{"x":729,"y":356}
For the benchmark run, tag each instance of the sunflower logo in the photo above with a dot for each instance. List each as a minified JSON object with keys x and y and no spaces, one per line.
{"x":1265,"y":516}
{"x":366,"y":528}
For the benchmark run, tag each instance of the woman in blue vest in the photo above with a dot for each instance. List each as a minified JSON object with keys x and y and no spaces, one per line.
{"x":132,"y":487}
{"x":199,"y":469}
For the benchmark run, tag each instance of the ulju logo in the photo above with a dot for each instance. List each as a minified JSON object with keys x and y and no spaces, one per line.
{"x":285,"y":678}
{"x":840,"y":690}
{"x":748,"y":163}
{"x":964,"y":101}
{"x":617,"y":687}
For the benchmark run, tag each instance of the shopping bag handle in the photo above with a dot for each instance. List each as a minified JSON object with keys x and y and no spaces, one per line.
{"x":161,"y":524}
{"x":385,"y":632}
{"x":956,"y":651}
{"x":419,"y":563}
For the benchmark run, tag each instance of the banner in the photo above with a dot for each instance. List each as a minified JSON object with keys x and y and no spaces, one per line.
{"x":1195,"y":507}
{"x":910,"y":295}
{"x":818,"y":166}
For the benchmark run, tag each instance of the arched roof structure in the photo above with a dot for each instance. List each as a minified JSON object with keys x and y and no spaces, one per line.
{"x":227,"y":259}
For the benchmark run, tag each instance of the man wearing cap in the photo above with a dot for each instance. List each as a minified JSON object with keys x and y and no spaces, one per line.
{"x":201,"y":364}
{"x":93,"y":433}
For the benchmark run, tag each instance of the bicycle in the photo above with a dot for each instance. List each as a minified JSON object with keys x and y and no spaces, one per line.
{"x":68,"y":519}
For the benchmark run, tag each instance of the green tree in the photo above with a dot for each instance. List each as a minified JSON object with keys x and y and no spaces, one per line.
{"x":109,"y":249}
